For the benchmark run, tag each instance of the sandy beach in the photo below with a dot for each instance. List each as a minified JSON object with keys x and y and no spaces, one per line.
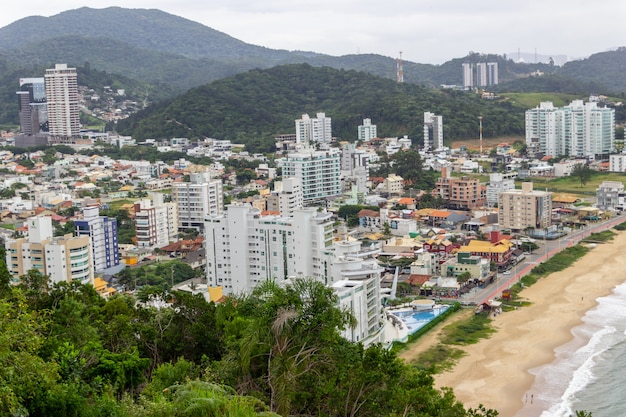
{"x":495,"y":371}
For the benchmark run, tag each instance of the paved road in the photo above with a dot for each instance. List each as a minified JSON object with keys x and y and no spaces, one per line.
{"x":549,"y":249}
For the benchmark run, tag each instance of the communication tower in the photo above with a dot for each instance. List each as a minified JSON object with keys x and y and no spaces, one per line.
{"x":399,"y":70}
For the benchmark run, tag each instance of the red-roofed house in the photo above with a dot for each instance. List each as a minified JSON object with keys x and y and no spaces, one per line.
{"x":369,"y":218}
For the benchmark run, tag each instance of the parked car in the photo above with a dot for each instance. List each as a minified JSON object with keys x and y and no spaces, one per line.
{"x":506,"y":273}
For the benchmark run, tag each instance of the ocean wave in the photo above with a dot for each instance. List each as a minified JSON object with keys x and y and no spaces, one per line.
{"x":573,"y":369}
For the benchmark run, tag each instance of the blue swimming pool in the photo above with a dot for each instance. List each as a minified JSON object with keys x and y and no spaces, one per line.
{"x":415,"y":320}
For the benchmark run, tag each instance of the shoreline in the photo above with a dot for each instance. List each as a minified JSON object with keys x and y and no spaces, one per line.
{"x":496,"y":372}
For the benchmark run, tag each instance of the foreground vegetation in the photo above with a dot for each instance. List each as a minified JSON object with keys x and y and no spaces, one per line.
{"x":65,"y":351}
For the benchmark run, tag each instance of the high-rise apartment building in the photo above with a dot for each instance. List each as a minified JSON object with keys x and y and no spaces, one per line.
{"x":492,"y":73}
{"x":197,"y":199}
{"x":367,"y":131}
{"x":354,"y":167}
{"x":578,"y":129}
{"x":526,"y":208}
{"x":481,"y":74}
{"x":317,"y":130}
{"x":102,"y":232}
{"x":433,"y":132}
{"x":468,"y":75}
{"x":62,"y":100}
{"x":32,"y":106}
{"x":319,"y":172}
{"x":62,"y":259}
{"x":245,"y":248}
{"x":156,"y":222}
{"x":497,"y":184}
{"x":286,"y":197}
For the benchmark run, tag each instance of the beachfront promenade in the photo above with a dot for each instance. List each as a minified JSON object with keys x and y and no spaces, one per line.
{"x":550,"y":248}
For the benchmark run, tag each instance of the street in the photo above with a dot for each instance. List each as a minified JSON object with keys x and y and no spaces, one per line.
{"x":546,"y":250}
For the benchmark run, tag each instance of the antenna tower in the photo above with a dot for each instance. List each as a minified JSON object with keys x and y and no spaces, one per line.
{"x":399,"y":70}
{"x":480,"y":119}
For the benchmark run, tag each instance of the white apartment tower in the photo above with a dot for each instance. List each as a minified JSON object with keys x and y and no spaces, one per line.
{"x":468,"y":75}
{"x":579,"y":129}
{"x":497,"y":184}
{"x":492,"y":73}
{"x":197,"y":199}
{"x":367,"y":131}
{"x":433,"y":132}
{"x":63,"y":259}
{"x":317,"y":130}
{"x":156,"y":222}
{"x":62,"y":101}
{"x":356,"y":281}
{"x":286,"y":197}
{"x":354,"y":167}
{"x":481,"y":74}
{"x":318,"y":171}
{"x":245,"y":248}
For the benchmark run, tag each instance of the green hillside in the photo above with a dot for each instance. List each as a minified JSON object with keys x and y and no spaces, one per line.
{"x":253,"y":107}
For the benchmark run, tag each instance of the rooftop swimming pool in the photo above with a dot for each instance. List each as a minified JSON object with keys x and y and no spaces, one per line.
{"x":416,"y":319}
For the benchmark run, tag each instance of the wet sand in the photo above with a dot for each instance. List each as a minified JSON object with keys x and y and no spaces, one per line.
{"x":495,"y":371}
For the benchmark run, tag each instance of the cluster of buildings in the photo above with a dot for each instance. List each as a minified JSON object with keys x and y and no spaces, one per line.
{"x":289,"y":229}
{"x":478,"y":75}
{"x":583,"y":130}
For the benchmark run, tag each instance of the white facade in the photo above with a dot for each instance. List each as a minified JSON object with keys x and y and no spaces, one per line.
{"x":317,"y":130}
{"x":319,"y":172}
{"x":433,"y":132}
{"x":579,"y":129}
{"x":367,"y":131}
{"x":69,"y":259}
{"x":62,"y":101}
{"x":468,"y":75}
{"x":354,"y":167}
{"x":197,"y":199}
{"x":497,"y":184}
{"x":356,"y":280}
{"x":245,"y":248}
{"x":286,"y":197}
{"x":617,"y":162}
{"x":156,"y":222}
{"x":63,"y":259}
{"x":608,"y":195}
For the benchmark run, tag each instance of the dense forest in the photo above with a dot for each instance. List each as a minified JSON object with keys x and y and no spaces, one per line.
{"x":65,"y":351}
{"x":253,"y":107}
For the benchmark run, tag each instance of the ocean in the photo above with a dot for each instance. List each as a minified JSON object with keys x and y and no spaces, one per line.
{"x":589,"y":372}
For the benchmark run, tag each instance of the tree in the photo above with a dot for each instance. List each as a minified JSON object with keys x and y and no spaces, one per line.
{"x":25,"y":378}
{"x":464,"y":277}
{"x":582,"y":172}
{"x":5,"y":275}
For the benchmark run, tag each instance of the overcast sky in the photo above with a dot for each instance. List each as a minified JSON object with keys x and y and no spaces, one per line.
{"x":433,"y":31}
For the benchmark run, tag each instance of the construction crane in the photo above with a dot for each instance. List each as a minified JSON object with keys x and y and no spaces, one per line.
{"x":399,"y":70}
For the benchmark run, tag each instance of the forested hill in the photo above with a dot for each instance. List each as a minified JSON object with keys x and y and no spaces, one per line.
{"x":253,"y":107}
{"x":604,"y":68}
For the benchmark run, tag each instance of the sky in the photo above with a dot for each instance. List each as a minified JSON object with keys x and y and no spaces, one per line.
{"x":432,"y":32}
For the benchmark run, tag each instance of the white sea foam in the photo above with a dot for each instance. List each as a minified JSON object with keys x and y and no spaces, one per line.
{"x":558,"y":385}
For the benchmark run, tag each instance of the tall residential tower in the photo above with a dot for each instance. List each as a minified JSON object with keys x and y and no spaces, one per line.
{"x":62,"y":100}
